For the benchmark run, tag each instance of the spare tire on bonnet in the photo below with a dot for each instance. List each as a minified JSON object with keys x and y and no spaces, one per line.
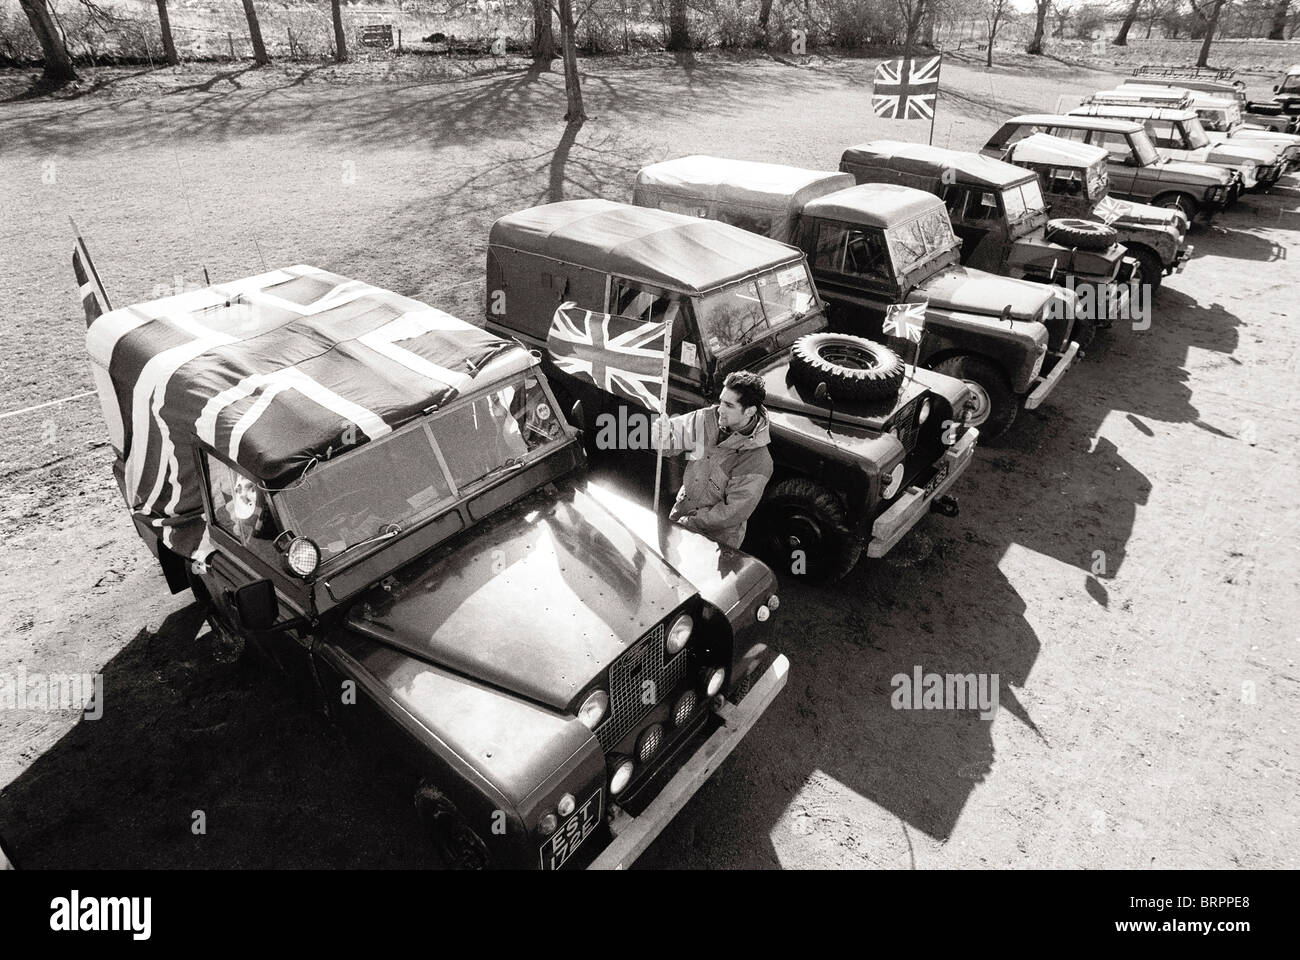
{"x":1084,"y":234}
{"x":853,"y":368}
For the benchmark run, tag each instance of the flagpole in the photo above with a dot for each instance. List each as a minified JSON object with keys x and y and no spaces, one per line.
{"x":670,"y":316}
{"x":935,"y":108}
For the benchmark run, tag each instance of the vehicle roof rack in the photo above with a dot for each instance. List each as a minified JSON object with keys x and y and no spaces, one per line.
{"x":1198,"y":73}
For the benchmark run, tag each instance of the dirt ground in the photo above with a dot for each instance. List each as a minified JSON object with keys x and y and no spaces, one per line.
{"x":1125,"y":562}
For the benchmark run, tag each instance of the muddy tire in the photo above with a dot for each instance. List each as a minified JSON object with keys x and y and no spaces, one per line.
{"x":1153,"y":268}
{"x":459,"y":846}
{"x":853,"y":368}
{"x":1178,"y":201}
{"x":800,"y":528}
{"x":1083,"y":234}
{"x":996,"y":406}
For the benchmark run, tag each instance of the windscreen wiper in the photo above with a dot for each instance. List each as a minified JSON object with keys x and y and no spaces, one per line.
{"x":387,"y":532}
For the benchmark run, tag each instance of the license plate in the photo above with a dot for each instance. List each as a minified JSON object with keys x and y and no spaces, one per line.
{"x":560,"y":846}
{"x":937,"y":479}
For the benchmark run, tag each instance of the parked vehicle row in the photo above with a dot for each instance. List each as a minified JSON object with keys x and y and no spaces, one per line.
{"x":381,"y":498}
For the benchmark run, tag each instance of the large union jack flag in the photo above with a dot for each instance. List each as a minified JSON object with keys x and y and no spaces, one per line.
{"x":620,"y":355}
{"x":906,"y":89}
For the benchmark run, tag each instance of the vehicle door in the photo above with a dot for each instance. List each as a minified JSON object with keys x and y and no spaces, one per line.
{"x":1125,"y":173}
{"x":688,"y":367}
{"x":978,"y":219}
{"x":1169,"y":138}
{"x":853,"y":272}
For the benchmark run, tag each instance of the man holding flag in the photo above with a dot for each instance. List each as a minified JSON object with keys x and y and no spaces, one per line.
{"x":728,"y":464}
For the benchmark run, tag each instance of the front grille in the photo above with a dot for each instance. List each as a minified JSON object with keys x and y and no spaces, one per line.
{"x":628,"y":678}
{"x":904,"y":425}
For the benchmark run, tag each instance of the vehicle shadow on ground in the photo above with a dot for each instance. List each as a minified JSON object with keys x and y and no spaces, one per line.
{"x":276,"y":783}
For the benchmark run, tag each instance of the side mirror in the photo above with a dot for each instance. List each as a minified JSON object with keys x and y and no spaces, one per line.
{"x":256,"y":605}
{"x":1276,"y":87}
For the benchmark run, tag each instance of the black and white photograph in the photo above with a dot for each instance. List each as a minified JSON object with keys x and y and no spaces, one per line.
{"x":710,"y":435}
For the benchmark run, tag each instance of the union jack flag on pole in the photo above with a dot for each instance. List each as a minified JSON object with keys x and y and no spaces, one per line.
{"x":906,"y":89}
{"x":94,"y":301}
{"x":905,"y":320}
{"x":620,"y":355}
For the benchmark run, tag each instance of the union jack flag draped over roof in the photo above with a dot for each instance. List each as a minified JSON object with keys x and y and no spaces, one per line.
{"x":906,"y":89}
{"x":620,"y":355}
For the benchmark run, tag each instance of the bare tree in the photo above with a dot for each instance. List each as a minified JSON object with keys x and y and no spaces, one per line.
{"x":340,"y":38}
{"x":58,"y":64}
{"x":165,"y":28}
{"x":255,"y":35}
{"x":1040,"y":23}
{"x":543,"y":33}
{"x":1121,"y":38}
{"x":569,"y":44}
{"x":912,"y":13}
{"x":1207,"y":14}
{"x":679,"y":34}
{"x":995,"y":17}
{"x":1277,"y":31}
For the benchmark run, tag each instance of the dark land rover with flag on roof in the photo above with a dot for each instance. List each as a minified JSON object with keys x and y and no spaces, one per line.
{"x":384,"y":503}
{"x":874,"y":246}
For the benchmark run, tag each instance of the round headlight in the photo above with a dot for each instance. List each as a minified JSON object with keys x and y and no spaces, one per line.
{"x":679,"y":633}
{"x":548,"y":824}
{"x":773,"y":602}
{"x":923,"y":414}
{"x":762,"y":613}
{"x":684,"y":708}
{"x":593,"y":709}
{"x":648,"y":744}
{"x":566,"y":805}
{"x":893,"y":481}
{"x":302,"y":557}
{"x":713,"y":678}
{"x":622,"y":774}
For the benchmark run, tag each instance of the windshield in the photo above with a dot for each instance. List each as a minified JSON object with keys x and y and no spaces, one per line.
{"x":921,"y":239}
{"x":1213,"y":118}
{"x":743,"y":312}
{"x":1291,"y":84}
{"x":1145,"y":150}
{"x":1195,"y":133}
{"x":1022,"y":200}
{"x":403,"y":478}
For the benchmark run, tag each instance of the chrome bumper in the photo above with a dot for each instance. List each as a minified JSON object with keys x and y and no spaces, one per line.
{"x":1048,"y":383}
{"x":1181,"y":258}
{"x":891,"y":525}
{"x":633,"y":834}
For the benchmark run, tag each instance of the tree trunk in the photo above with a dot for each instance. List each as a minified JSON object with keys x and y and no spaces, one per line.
{"x":1278,"y":30}
{"x":255,"y":35}
{"x":988,"y":58}
{"x":1204,"y":58}
{"x":679,"y":35}
{"x":543,"y":33}
{"x":165,"y":28}
{"x":764,"y":16}
{"x":58,"y":65}
{"x":572,"y":85}
{"x":340,"y":38}
{"x":913,"y":27}
{"x":1121,"y":38}
{"x":1036,"y":43}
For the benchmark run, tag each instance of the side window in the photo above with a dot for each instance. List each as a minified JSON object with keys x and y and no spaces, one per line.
{"x":1070,"y":133}
{"x":981,"y":205}
{"x":239,"y":505}
{"x":866,"y":255}
{"x":1009,"y":134}
{"x":1166,"y":134}
{"x":753,"y":222}
{"x":1115,"y":144}
{"x":828,"y":251}
{"x":954,"y":198}
{"x":1064,"y":181}
{"x":629,"y":300}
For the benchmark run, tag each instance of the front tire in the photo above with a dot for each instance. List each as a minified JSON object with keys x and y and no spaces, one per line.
{"x":1179,"y":201}
{"x":996,"y":406}
{"x":458,"y":845}
{"x":1153,"y":268}
{"x":800,"y":527}
{"x":228,"y":646}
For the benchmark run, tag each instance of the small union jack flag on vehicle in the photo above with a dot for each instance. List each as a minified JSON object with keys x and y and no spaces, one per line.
{"x":905,"y":320}
{"x":1109,"y":210}
{"x":620,"y":355}
{"x":906,"y":89}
